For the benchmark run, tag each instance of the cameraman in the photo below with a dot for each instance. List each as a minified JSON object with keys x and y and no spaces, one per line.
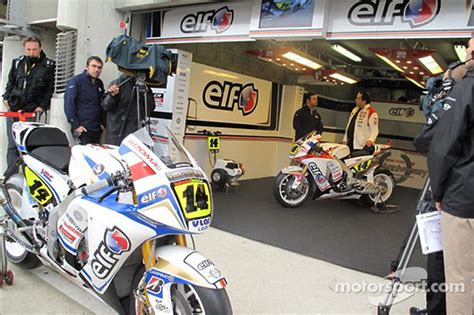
{"x":451,"y":167}
{"x":120,"y":105}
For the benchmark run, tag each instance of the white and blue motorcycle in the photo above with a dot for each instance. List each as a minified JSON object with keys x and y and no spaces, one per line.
{"x":114,"y":219}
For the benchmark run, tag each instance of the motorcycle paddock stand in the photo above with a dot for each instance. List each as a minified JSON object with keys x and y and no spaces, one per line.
{"x":383,"y":207}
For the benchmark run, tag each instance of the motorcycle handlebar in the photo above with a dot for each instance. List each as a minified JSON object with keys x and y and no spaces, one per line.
{"x":89,"y":189}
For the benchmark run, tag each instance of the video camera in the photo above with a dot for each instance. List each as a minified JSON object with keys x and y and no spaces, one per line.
{"x":154,"y":63}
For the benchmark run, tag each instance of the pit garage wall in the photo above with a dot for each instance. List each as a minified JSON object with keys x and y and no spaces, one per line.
{"x":263,"y":152}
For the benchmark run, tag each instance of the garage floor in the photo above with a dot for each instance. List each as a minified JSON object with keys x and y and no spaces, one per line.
{"x":336,"y":231}
{"x":263,"y":280}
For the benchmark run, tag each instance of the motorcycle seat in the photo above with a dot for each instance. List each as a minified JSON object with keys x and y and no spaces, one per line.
{"x":51,"y":146}
{"x":55,"y":156}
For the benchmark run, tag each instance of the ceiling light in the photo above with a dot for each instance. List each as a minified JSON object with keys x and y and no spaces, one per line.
{"x":397,"y":61}
{"x":347,"y":53}
{"x":409,"y":61}
{"x":416,"y":68}
{"x":405,"y":67}
{"x":430,"y":63}
{"x":299,"y":57}
{"x":415,"y":82}
{"x":461,"y":52}
{"x":277,"y":59}
{"x":389,"y":62}
{"x":341,"y":76}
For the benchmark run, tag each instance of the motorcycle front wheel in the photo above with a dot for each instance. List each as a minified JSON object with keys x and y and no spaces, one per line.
{"x":189,"y":299}
{"x":288,"y":196}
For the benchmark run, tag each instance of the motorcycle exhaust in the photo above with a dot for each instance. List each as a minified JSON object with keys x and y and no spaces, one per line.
{"x":8,"y":207}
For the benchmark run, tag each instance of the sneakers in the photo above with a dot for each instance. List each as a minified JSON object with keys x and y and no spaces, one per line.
{"x":418,"y":311}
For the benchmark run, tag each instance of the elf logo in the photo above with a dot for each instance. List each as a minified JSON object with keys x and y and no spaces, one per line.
{"x":407,"y":112}
{"x":384,"y":12}
{"x":108,"y":252}
{"x":227,"y":95}
{"x":219,"y":21}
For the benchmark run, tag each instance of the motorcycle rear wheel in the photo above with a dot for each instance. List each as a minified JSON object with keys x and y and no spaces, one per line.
{"x":384,"y":178}
{"x":16,"y":253}
{"x":288,"y":197}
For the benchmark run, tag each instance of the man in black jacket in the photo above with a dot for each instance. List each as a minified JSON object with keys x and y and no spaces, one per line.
{"x":29,"y":88}
{"x":120,"y":104}
{"x":451,"y":166}
{"x":307,"y":118}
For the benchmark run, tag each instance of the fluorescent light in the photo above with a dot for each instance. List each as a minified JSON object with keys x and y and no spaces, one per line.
{"x":431,"y":64}
{"x":415,"y":82}
{"x":342,"y":78}
{"x":346,"y":53}
{"x":389,"y":62}
{"x":301,"y":60}
{"x":461,"y":52}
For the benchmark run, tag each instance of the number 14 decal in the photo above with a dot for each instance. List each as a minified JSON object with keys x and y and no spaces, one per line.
{"x":194,"y":199}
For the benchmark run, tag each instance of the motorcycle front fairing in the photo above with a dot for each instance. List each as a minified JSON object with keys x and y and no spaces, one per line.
{"x":173,"y":197}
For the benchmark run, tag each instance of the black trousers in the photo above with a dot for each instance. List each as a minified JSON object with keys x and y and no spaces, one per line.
{"x":435,"y":301}
{"x":90,"y":137}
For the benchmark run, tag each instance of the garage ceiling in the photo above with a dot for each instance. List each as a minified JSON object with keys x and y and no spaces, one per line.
{"x":372,"y":70}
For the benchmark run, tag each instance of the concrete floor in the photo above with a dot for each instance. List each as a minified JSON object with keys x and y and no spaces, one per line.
{"x":262,"y":280}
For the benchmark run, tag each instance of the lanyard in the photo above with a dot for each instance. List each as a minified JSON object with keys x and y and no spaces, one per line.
{"x":26,"y":68}
{"x":27,"y":72}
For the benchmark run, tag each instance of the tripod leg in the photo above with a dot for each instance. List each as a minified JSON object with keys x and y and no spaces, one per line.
{"x":127,"y":112}
{"x":405,"y":256}
{"x":138,"y":106}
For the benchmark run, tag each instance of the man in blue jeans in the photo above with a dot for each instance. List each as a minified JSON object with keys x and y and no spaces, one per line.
{"x":82,"y":102}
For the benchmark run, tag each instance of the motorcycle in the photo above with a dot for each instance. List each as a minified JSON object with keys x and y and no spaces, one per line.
{"x":114,"y":220}
{"x":225,"y":172}
{"x":329,"y":171}
{"x":276,"y":8}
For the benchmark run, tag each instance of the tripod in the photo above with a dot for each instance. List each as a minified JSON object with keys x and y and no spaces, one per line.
{"x":139,"y":90}
{"x":399,"y":265}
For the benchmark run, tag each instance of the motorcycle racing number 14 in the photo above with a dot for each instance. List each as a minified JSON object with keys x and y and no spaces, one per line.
{"x":37,"y":188}
{"x":194,"y":198}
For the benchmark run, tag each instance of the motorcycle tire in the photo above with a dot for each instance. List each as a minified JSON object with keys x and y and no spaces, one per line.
{"x":208,"y":301}
{"x":389,"y":182}
{"x":282,"y":195}
{"x":219,"y":178}
{"x":15,"y":253}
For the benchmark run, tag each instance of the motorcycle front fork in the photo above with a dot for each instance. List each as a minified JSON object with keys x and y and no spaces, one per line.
{"x":149,"y":260}
{"x":148,"y":250}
